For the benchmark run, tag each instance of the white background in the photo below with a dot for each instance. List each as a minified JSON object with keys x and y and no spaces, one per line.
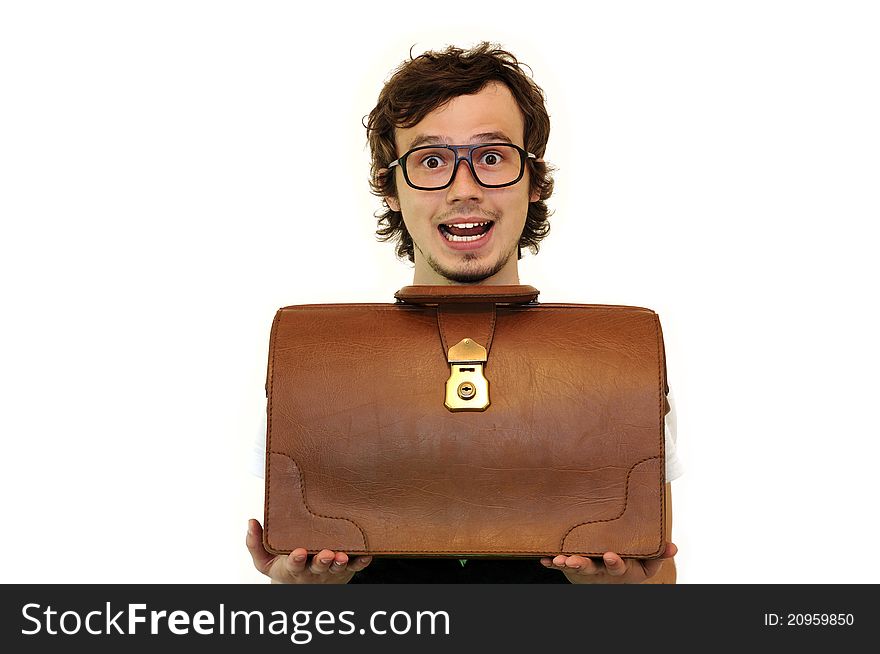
{"x":173,"y":172}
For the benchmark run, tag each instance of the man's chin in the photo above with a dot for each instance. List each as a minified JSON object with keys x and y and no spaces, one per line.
{"x":469,"y":273}
{"x":467,"y":277}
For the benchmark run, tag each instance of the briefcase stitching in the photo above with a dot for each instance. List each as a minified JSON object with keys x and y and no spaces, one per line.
{"x":662,"y":389}
{"x":619,"y":515}
{"x":487,"y":339}
{"x":495,"y":551}
{"x":302,"y":488}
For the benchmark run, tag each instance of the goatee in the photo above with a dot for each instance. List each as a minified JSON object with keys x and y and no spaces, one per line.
{"x":465,"y":276}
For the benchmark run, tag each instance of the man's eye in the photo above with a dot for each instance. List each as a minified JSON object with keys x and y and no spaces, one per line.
{"x":432,"y":161}
{"x":491,"y":158}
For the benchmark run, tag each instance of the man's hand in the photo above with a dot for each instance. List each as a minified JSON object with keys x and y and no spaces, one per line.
{"x":610,"y":569}
{"x":326,"y":567}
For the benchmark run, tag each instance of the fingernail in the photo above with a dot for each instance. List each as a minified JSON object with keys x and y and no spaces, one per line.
{"x":326,"y":560}
{"x":300,"y":558}
{"x":250,"y":528}
{"x":609,"y":561}
{"x":338,"y":564}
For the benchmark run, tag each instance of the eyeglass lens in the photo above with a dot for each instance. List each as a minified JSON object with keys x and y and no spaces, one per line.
{"x":493,"y":164}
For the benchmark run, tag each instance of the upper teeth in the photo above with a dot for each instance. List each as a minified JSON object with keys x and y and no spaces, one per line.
{"x":468,"y":225}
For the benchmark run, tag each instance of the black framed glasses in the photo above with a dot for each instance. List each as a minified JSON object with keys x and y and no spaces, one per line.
{"x":433,"y":167}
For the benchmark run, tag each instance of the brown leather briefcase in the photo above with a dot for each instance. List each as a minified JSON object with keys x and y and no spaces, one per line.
{"x":466,"y":421}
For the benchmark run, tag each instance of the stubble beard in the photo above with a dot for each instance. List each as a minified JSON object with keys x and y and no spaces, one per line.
{"x":467,"y":273}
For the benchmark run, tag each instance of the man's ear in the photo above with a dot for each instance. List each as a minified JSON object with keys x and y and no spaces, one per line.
{"x":534,"y":197}
{"x":392,"y":203}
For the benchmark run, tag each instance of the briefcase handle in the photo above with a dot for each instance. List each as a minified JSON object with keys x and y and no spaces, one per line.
{"x":501,"y":294}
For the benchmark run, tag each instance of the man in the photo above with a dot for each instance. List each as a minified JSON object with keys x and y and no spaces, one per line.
{"x":461,"y":214}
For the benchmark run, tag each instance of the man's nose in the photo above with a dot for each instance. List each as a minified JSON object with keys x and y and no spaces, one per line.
{"x":464,"y":184}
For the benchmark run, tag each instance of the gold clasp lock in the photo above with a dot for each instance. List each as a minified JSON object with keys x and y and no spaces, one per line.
{"x":467,"y":389}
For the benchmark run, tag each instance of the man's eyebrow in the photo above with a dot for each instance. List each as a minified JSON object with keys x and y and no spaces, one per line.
{"x":425,"y":139}
{"x":492,"y":136}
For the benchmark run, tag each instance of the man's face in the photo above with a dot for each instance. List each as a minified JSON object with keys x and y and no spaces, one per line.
{"x":491,"y":115}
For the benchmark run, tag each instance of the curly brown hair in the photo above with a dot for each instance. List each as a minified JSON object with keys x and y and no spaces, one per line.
{"x":421,"y":85}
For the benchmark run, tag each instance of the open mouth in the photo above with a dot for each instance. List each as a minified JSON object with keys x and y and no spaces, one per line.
{"x":466,"y":232}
